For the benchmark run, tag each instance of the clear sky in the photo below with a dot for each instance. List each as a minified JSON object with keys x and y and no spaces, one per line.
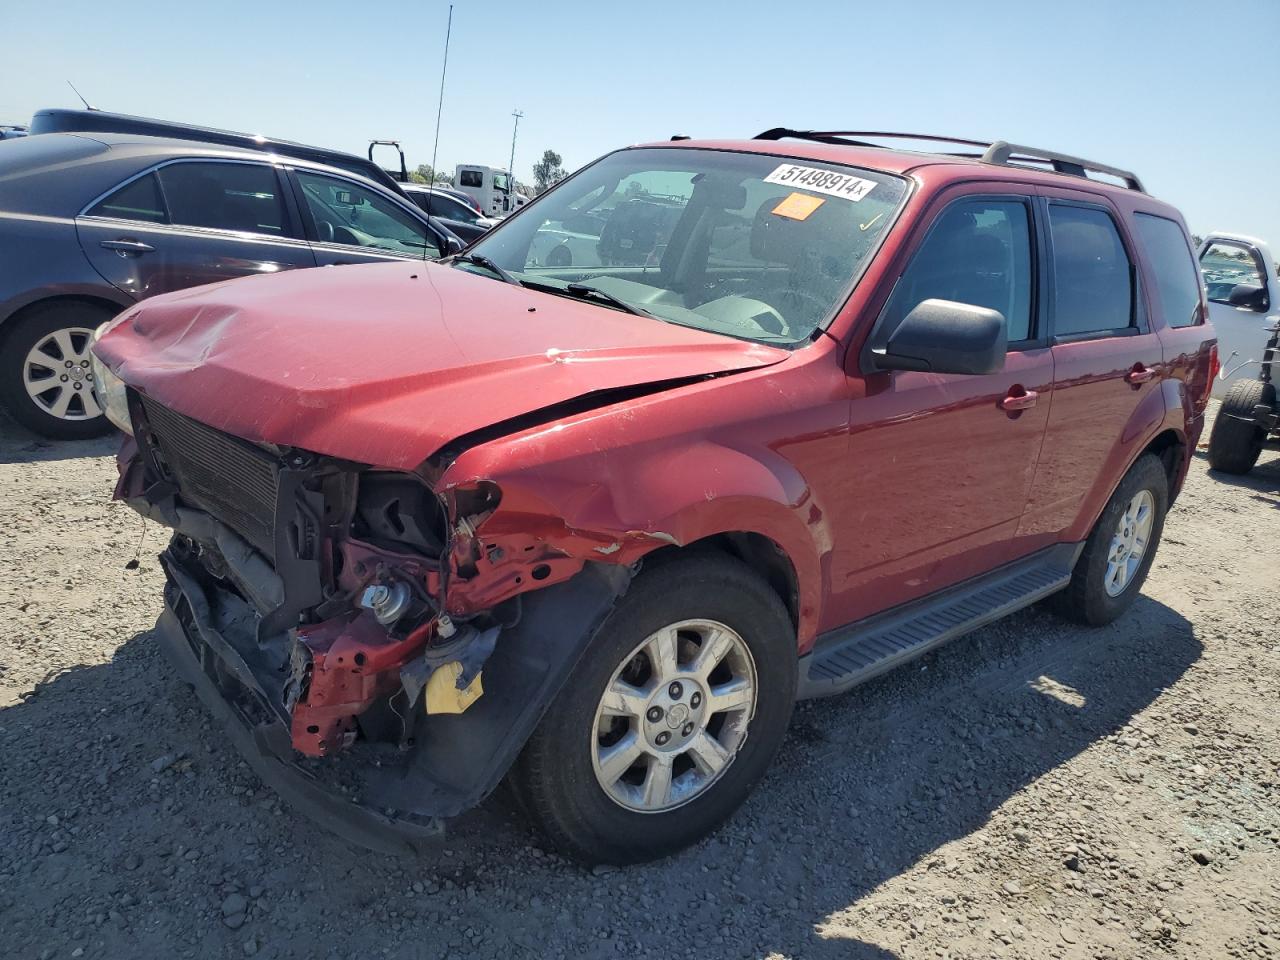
{"x":1182,"y":91}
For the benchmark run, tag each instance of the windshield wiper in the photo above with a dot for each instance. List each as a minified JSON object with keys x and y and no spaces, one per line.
{"x":480,"y":260}
{"x":586,"y":290}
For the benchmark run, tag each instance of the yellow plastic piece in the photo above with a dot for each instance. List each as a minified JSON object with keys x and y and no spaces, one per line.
{"x":443,"y":695}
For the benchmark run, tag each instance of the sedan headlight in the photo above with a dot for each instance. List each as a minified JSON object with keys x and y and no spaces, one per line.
{"x":110,"y":390}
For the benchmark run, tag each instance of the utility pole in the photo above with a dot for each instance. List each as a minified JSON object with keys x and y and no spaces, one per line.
{"x":511,"y":167}
{"x":448,"y":30}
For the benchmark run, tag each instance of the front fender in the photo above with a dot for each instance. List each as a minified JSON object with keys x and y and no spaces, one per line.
{"x":618,"y":505}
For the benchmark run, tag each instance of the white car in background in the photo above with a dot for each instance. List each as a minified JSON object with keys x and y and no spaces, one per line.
{"x":1240,"y":276}
{"x":1244,"y":301}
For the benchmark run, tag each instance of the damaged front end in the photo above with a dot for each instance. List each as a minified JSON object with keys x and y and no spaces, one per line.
{"x":379,"y":659}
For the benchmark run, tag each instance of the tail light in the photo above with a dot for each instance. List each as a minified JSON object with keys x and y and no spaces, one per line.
{"x":1215,"y":367}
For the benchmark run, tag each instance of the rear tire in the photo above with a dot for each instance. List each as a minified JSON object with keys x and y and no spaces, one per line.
{"x":1107,"y":576}
{"x":1234,"y":444}
{"x":569,"y":782}
{"x":47,"y":347}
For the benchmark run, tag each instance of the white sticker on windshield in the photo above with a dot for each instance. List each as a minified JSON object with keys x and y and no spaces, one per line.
{"x":821,"y":181}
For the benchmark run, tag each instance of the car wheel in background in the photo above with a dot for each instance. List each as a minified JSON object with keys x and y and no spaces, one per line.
{"x":46,"y":378}
{"x":1113,"y":565}
{"x":1235,"y":444}
{"x":669,"y":719}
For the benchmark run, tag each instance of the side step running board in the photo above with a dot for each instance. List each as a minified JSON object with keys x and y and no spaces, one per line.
{"x":851,"y":655}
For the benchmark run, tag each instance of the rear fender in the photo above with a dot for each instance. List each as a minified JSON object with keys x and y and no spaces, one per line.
{"x":1159,"y":410}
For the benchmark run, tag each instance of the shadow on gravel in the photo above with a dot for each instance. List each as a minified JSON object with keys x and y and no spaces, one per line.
{"x":923,"y":757}
{"x":1263,"y":478}
{"x":20,"y":445}
{"x":126,"y":823}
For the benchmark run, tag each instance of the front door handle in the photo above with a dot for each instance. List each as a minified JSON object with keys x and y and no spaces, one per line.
{"x":126,"y":247}
{"x":1139,"y":374}
{"x":1019,"y":399}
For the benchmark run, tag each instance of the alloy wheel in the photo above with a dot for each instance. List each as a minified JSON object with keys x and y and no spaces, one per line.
{"x":674,"y":716}
{"x":58,"y":375}
{"x":1129,"y":542}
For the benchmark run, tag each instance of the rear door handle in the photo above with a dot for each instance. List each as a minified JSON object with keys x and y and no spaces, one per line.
{"x":1020,"y":401}
{"x":126,"y":247}
{"x":1139,"y":374}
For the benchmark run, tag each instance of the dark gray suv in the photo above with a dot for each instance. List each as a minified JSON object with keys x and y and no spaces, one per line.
{"x":91,"y":223}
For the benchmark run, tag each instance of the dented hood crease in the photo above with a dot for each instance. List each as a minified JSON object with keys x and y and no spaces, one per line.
{"x":385,"y":364}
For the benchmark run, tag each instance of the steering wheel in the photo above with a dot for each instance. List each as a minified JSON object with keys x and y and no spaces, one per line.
{"x":325,"y":230}
{"x":781,"y":295}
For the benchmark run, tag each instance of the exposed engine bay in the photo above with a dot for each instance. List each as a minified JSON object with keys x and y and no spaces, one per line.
{"x":354,"y":614}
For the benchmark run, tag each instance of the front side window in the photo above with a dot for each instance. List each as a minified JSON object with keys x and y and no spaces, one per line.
{"x":1226,"y":264}
{"x":751,"y":246}
{"x":1093,"y":281}
{"x":243,"y":197}
{"x":1171,"y":259}
{"x":137,"y":200}
{"x":977,"y":252}
{"x":348,"y":213}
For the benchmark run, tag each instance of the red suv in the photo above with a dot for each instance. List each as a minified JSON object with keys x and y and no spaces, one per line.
{"x":780,"y":414}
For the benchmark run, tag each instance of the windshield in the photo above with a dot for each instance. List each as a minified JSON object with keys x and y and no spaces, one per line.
{"x":752,"y":246}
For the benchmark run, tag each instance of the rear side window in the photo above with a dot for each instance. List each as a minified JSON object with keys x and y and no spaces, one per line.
{"x":137,"y":200}
{"x":471,"y":178}
{"x":977,"y":252}
{"x":1175,"y":268}
{"x":244,"y":197}
{"x":1093,"y":281}
{"x":443,"y":206}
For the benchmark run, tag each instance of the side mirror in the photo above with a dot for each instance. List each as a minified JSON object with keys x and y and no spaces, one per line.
{"x":1251,"y":296}
{"x":942,"y":336}
{"x":453,"y":245}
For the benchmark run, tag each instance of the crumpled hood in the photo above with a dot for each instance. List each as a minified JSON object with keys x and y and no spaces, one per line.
{"x":386,"y":363}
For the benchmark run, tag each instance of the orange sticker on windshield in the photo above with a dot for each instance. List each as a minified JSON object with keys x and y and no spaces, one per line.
{"x":798,"y":206}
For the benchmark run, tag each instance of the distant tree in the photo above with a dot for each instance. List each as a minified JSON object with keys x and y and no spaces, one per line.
{"x":548,"y":171}
{"x":424,"y":174}
{"x":1196,"y":240}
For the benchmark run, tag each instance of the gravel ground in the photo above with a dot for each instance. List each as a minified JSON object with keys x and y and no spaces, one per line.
{"x":1033,"y":790}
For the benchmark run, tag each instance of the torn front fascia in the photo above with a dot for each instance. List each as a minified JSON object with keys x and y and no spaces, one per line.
{"x":341,"y":663}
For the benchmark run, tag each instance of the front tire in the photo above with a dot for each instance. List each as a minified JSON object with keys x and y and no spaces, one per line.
{"x":46,"y":379}
{"x":1235,"y":444}
{"x":669,"y":719}
{"x":1118,"y":554}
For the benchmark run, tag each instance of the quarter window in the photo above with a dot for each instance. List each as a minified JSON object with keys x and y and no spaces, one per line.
{"x":347,"y":213}
{"x":1175,"y":268}
{"x":243,"y":197}
{"x":137,"y":200}
{"x":1226,"y":264}
{"x":1093,"y":281}
{"x":977,"y":252}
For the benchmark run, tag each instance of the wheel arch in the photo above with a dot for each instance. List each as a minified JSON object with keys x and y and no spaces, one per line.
{"x":762,"y":554}
{"x":53,"y":301}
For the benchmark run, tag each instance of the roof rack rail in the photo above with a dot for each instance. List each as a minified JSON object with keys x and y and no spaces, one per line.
{"x":999,"y":152}
{"x":1011,"y":154}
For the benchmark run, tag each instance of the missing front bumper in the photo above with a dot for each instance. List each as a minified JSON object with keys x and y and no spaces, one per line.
{"x":405,"y":798}
{"x":226,"y":685}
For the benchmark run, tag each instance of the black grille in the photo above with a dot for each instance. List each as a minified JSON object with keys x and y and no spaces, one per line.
{"x":228,"y":477}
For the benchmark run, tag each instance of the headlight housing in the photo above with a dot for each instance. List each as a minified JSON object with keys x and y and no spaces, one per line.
{"x":110,"y":389}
